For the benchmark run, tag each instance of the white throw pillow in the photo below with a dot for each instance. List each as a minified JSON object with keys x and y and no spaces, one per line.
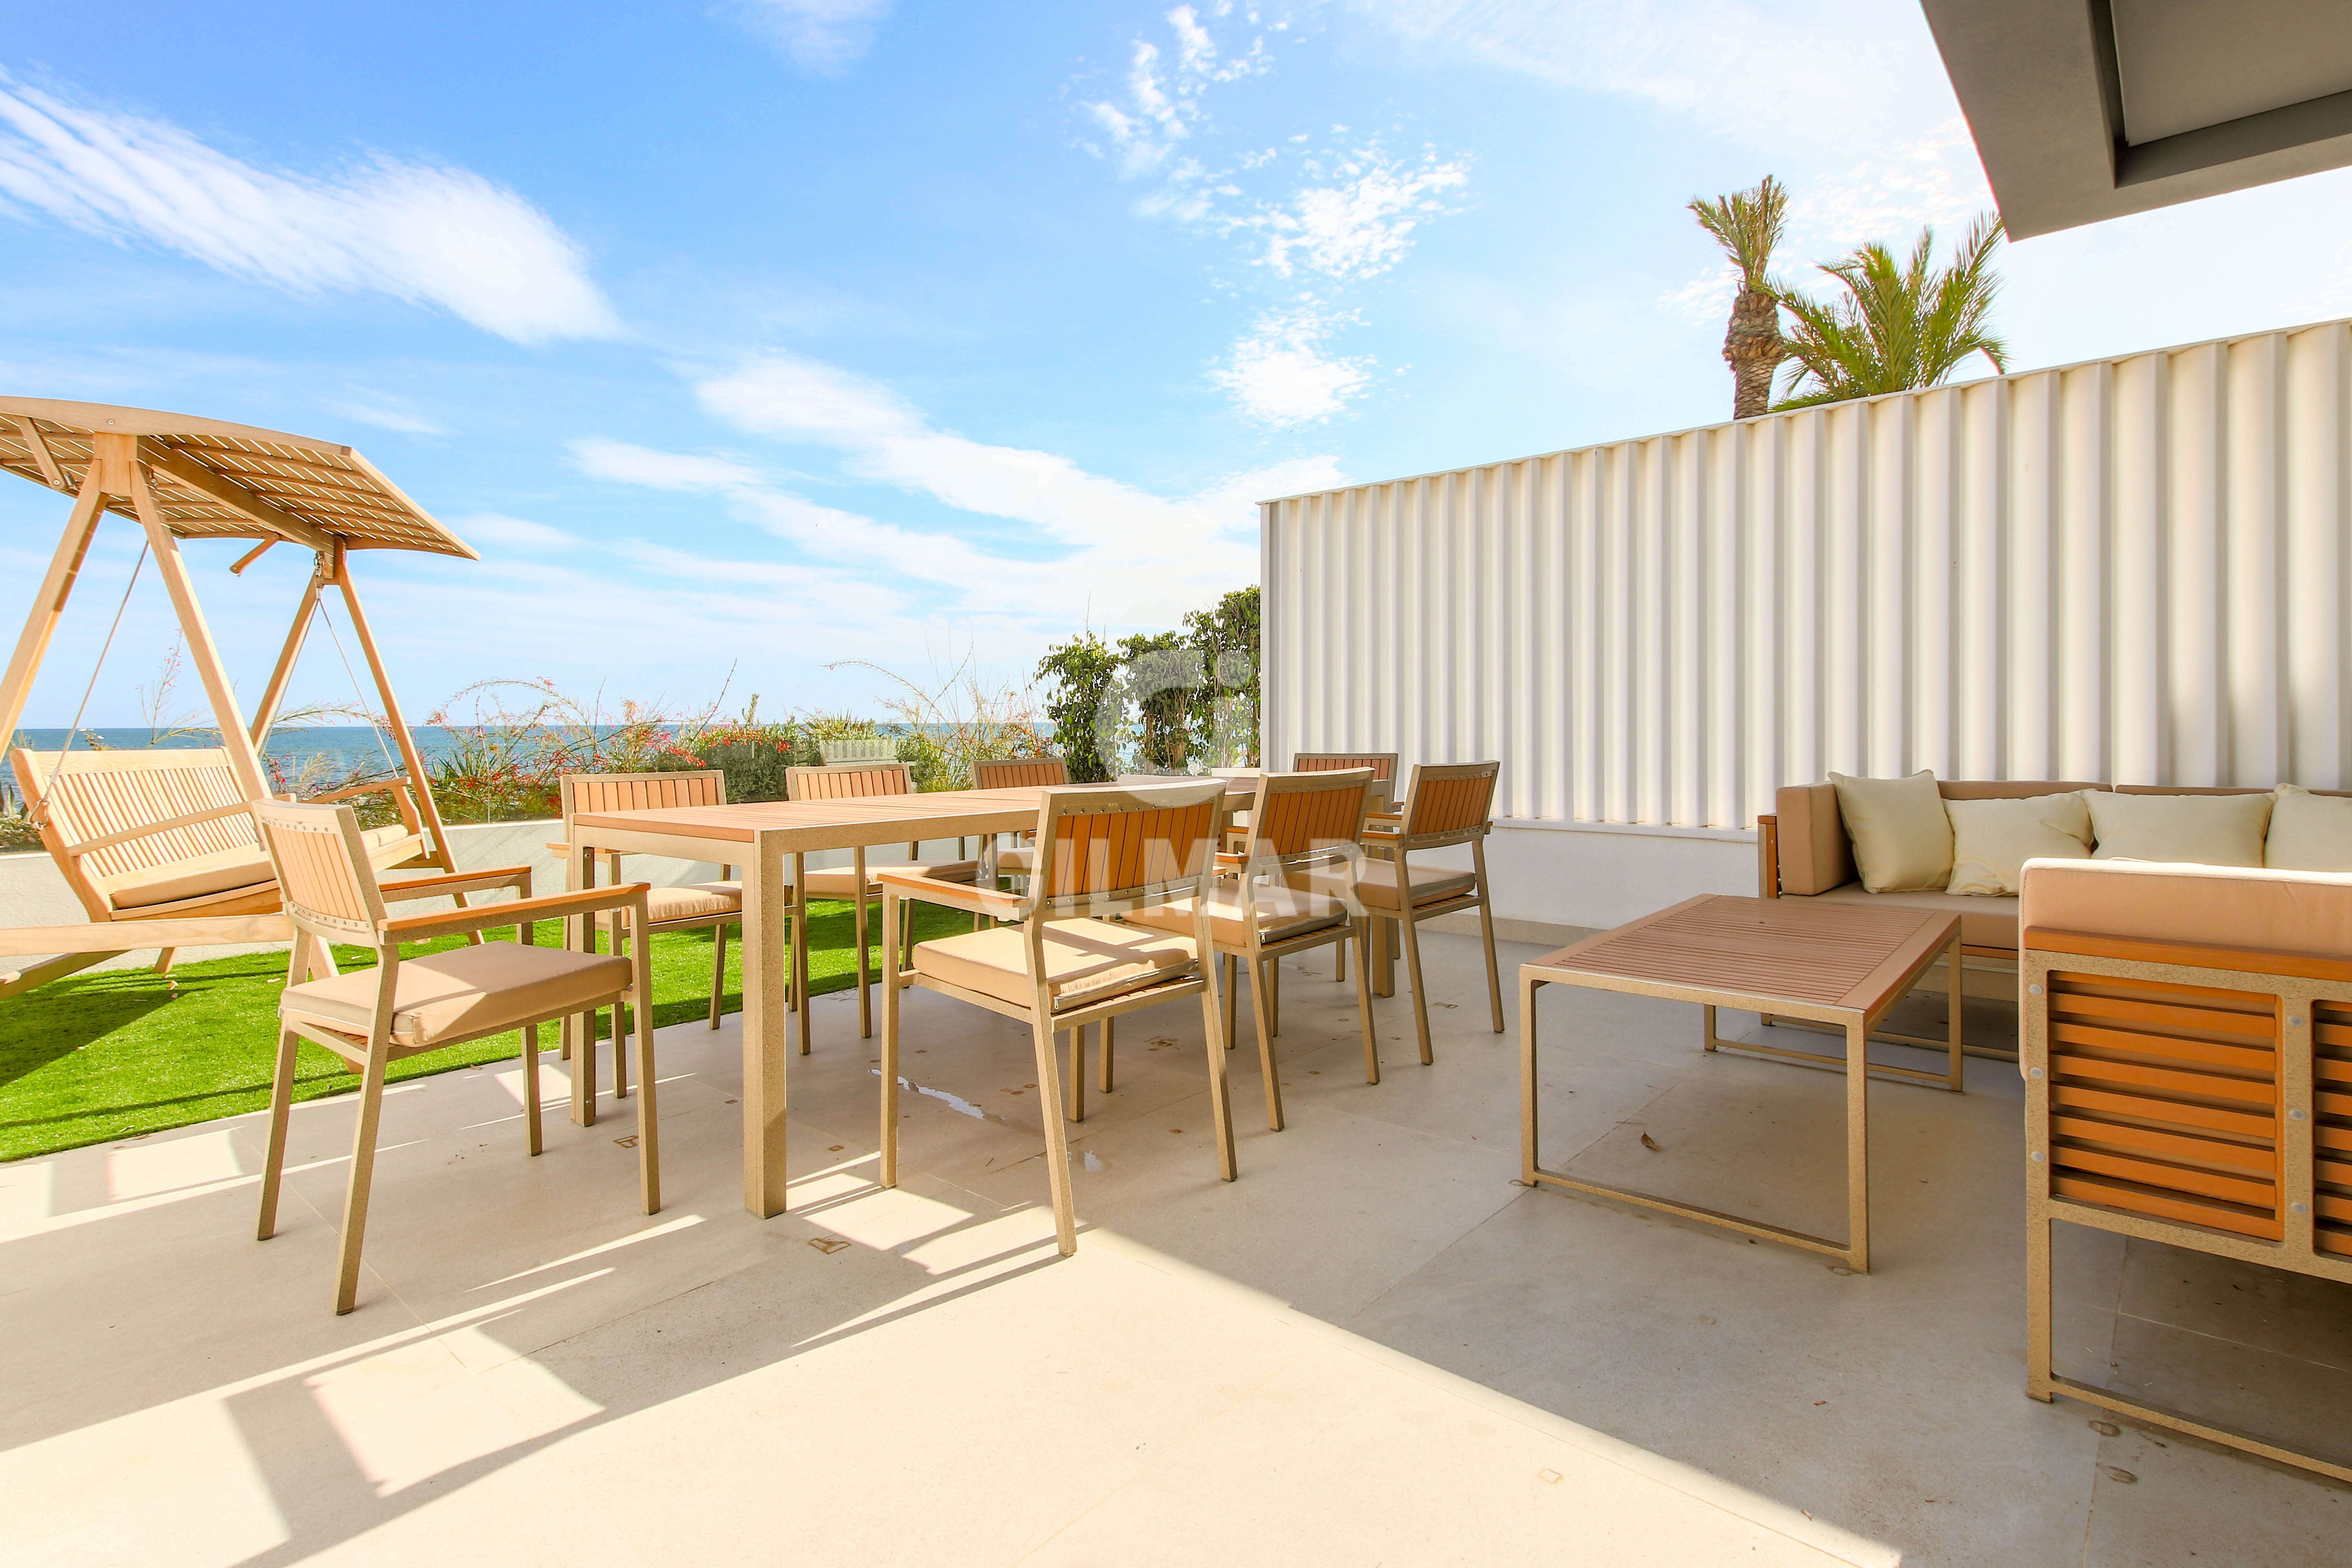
{"x":2308,"y":832}
{"x":1901,"y":839}
{"x":1992,"y":840}
{"x":2192,"y":829}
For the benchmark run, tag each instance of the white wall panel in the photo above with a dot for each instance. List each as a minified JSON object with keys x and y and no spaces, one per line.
{"x":2132,"y":570}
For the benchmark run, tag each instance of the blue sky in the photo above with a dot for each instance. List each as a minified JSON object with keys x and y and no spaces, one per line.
{"x":777,"y":333}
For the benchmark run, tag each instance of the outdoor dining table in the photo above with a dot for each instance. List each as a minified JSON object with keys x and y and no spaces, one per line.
{"x":769,"y":843}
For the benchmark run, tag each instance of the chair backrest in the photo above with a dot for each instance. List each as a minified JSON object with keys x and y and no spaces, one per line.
{"x":114,"y":815}
{"x":1103,"y":851}
{"x":322,"y":867}
{"x":1382,"y":763}
{"x":1012,"y":772}
{"x":1449,"y":801}
{"x":863,"y":749}
{"x":641,"y":792}
{"x":845,"y":781}
{"x":1305,"y":816}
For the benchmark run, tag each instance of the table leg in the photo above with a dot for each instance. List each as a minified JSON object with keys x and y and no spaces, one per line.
{"x":1952,"y":1017}
{"x":1528,"y":985}
{"x":1857,"y":1146}
{"x":799,"y":956}
{"x":865,"y":980}
{"x":766,"y":917}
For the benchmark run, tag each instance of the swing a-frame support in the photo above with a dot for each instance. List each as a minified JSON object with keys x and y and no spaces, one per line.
{"x":159,"y":846}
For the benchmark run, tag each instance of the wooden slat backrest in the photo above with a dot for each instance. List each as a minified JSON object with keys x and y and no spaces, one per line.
{"x":94,"y":794}
{"x":2331,"y":1132}
{"x":641,"y":792}
{"x":1382,"y":763}
{"x":1102,"y":850}
{"x":322,"y":870}
{"x":1298,"y":814}
{"x":1012,"y":772}
{"x":1450,"y":798}
{"x":847,"y":781}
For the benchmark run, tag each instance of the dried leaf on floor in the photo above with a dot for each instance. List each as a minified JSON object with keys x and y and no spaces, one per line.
{"x":1650,"y":1142}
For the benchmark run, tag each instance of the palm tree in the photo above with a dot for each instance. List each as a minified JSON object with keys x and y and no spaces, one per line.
{"x":1896,"y":328}
{"x":1747,"y":225}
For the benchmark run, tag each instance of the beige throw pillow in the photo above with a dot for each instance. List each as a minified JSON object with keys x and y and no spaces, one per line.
{"x":1901,"y":839}
{"x":2308,"y":832}
{"x":1992,"y":840}
{"x":2192,"y":829}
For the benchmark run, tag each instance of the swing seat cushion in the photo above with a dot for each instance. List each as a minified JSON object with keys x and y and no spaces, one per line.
{"x":221,"y":873}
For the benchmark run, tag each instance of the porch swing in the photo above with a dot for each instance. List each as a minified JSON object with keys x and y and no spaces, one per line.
{"x":159,"y":846}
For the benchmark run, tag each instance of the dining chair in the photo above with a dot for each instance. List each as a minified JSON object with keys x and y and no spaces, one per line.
{"x":1043,"y":770}
{"x":1384,"y":772}
{"x":703,"y":905}
{"x":1262,"y":911}
{"x":1445,"y":805}
{"x":1100,"y":853}
{"x":850,"y":780}
{"x":405,"y":1007}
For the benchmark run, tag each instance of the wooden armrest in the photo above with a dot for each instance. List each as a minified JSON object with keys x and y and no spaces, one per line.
{"x":557,"y":849}
{"x":515,"y":876}
{"x":969,"y":897}
{"x":347,"y":791}
{"x":552,"y":906}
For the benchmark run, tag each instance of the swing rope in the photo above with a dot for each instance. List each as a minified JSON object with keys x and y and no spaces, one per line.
{"x":41,"y":817}
{"x":373,"y":722}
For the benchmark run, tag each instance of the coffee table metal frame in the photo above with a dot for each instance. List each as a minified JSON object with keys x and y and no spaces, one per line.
{"x":1855,"y":1012}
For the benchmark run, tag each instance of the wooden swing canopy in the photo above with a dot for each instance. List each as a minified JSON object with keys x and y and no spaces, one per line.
{"x":163,"y":843}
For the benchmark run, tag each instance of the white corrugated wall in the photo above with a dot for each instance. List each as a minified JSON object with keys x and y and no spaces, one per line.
{"x":2132,"y":570}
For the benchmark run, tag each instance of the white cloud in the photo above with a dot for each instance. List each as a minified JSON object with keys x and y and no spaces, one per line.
{"x":1278,"y":376}
{"x":437,"y":235}
{"x":514,"y":532}
{"x":604,"y":459}
{"x":1360,"y":223}
{"x":819,"y":34}
{"x":1162,"y":104}
{"x":1827,"y":72}
{"x":383,"y":414}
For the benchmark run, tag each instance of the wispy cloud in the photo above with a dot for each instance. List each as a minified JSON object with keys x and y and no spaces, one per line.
{"x":1825,"y":71}
{"x":817,"y":35}
{"x":513,"y":533}
{"x":1278,"y":374}
{"x":424,"y":233}
{"x":1163,"y":103}
{"x":384,"y":414}
{"x":1085,"y":540}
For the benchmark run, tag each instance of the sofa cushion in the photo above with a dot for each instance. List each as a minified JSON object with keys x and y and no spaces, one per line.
{"x":2265,"y":910}
{"x":1901,"y":838}
{"x":1984,"y":921}
{"x":2308,"y":832}
{"x":1992,"y":840}
{"x":1813,"y":851}
{"x":2179,"y":829}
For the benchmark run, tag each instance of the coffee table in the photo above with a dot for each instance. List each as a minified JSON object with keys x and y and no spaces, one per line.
{"x":1842,"y":966}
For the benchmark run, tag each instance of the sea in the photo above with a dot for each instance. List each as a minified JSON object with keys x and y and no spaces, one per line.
{"x":339,"y":748}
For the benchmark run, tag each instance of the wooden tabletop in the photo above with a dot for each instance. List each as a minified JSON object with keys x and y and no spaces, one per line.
{"x":858,"y":821}
{"x":1822,"y":957}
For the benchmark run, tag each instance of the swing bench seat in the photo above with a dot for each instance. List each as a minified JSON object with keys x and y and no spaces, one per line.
{"x":147,"y":835}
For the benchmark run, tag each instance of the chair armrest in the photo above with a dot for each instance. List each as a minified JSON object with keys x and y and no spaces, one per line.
{"x":515,"y":876}
{"x":969,"y":897}
{"x":349,"y":791}
{"x":552,"y":906}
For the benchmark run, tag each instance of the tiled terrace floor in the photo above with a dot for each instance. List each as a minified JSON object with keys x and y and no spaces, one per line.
{"x":1374,"y":1348}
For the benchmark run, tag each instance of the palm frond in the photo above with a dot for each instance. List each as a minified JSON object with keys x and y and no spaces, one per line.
{"x":1747,"y":225}
{"x":1898,"y":326}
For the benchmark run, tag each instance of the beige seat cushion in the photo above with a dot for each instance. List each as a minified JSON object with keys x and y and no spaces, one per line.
{"x":2265,"y":911}
{"x":2179,"y":829}
{"x":1016,"y":860}
{"x":842,"y":882}
{"x":1993,"y":839}
{"x":701,"y":900}
{"x":223,"y":871}
{"x":1281,"y":912}
{"x":2308,"y":832}
{"x":1901,"y":838}
{"x":1086,"y":960}
{"x":1984,"y":921}
{"x":1376,"y":884}
{"x":462,"y":994}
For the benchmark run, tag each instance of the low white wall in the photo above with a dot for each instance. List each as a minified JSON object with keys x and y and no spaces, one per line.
{"x":1554,"y":881}
{"x":32,"y":893}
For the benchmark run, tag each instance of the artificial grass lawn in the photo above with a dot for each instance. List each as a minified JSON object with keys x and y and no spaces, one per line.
{"x":121,"y":1052}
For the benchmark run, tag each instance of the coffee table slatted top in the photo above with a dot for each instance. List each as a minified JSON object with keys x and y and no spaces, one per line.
{"x":1840,"y":957}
